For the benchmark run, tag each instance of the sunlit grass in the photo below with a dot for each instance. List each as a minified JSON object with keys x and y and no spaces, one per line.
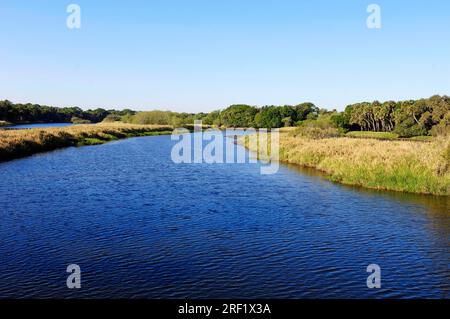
{"x":19,"y":143}
{"x":407,"y":166}
{"x":378,"y":135}
{"x":422,"y":138}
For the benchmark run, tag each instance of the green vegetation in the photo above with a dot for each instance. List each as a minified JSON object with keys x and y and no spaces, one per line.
{"x":377,"y":135}
{"x":35,"y":113}
{"x":364,"y":145}
{"x":90,"y":141}
{"x":77,"y":120}
{"x":152,"y":117}
{"x":386,"y":120}
{"x":266,"y":117}
{"x":422,"y":138}
{"x":238,"y":116}
{"x":111,"y":118}
{"x":397,"y":165}
{"x":233,"y":116}
{"x":19,"y":143}
{"x":405,"y":119}
{"x":163,"y":118}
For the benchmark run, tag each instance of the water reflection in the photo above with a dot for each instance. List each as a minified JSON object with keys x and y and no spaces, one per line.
{"x":437,"y":206}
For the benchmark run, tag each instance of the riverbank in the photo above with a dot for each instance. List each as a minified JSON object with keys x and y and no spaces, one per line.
{"x":405,"y":166}
{"x":20,"y":143}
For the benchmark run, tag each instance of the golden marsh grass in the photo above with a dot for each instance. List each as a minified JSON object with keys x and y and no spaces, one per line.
{"x":19,"y":143}
{"x":407,"y":166}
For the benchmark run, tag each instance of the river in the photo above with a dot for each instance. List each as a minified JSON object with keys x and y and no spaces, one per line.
{"x":38,"y":125}
{"x":141,"y":226}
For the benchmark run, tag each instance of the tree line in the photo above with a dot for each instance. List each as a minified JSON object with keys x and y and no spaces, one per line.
{"x":239,"y":115}
{"x":35,"y":113}
{"x":406,"y":118}
{"x":271,"y":116}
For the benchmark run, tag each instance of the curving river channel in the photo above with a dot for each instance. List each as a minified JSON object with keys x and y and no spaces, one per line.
{"x":141,"y":226}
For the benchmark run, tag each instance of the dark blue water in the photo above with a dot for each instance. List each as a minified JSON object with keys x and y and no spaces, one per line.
{"x":141,"y":226}
{"x":39,"y":125}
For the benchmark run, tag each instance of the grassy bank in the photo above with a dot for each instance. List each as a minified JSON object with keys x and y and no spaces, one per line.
{"x":20,"y":143}
{"x":406,"y":166}
{"x":386,"y":136}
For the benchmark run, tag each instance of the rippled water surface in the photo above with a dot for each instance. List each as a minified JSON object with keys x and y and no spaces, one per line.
{"x":141,"y":226}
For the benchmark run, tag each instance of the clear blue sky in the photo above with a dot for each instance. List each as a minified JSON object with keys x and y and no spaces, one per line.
{"x":204,"y":55}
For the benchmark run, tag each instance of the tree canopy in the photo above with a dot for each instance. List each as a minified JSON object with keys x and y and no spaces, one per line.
{"x":404,"y":118}
{"x":29,"y":113}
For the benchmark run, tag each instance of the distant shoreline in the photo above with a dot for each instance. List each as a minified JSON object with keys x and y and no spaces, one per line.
{"x":394,"y":165}
{"x":21,"y":143}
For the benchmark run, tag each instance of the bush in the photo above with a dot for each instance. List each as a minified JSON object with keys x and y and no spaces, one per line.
{"x":410,"y":131}
{"x":77,"y":120}
{"x":409,"y":128}
{"x":152,"y":117}
{"x":239,"y":116}
{"x":443,"y":128}
{"x":112,"y":118}
{"x":317,"y":129}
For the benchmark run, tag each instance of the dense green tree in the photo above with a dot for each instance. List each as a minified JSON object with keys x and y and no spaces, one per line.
{"x":269,"y":117}
{"x":240,"y":115}
{"x":340,"y":120}
{"x":304,"y":109}
{"x":112,"y":118}
{"x":24,"y":113}
{"x":152,"y":117}
{"x":211,"y":118}
{"x":406,"y":118}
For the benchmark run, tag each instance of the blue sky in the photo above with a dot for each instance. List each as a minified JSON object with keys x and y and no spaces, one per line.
{"x":204,"y":55}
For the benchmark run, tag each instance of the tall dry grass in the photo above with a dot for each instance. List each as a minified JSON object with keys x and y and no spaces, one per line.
{"x":19,"y":143}
{"x":407,"y":166}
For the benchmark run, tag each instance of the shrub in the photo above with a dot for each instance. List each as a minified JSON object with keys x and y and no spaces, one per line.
{"x":112,"y":118}
{"x":77,"y":120}
{"x":318,"y":133}
{"x":443,"y":128}
{"x":405,"y":130}
{"x":152,"y":117}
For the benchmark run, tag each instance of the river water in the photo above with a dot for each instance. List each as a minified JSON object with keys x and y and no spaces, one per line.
{"x":38,"y":125}
{"x":141,"y":226}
